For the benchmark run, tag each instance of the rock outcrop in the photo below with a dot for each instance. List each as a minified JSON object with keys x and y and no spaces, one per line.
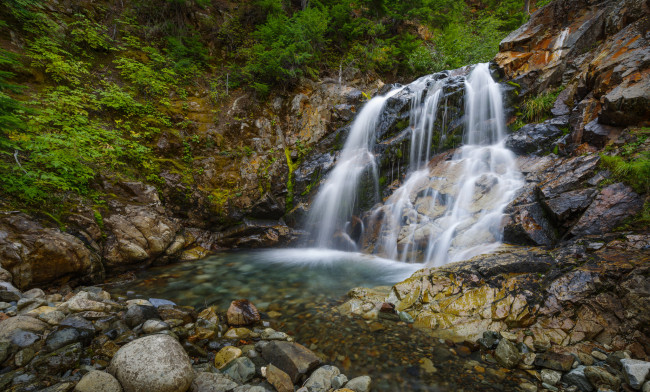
{"x":590,"y":291}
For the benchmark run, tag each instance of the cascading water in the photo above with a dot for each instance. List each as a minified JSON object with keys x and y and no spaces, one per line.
{"x":447,"y":212}
{"x":336,"y":200}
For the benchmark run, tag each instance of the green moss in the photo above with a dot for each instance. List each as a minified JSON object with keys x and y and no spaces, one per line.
{"x":99,"y":219}
{"x":292,"y":166}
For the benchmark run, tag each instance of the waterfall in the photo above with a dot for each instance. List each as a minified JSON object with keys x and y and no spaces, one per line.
{"x":336,"y":200}
{"x":441,"y":213}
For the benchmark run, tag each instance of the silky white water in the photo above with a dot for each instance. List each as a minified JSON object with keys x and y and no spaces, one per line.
{"x":336,"y":200}
{"x":441,"y":213}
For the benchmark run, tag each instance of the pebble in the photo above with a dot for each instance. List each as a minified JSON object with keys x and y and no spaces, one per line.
{"x":154,"y":326}
{"x":241,"y":370}
{"x":599,"y":355}
{"x":551,"y":377}
{"x":528,"y":387}
{"x":226,"y":355}
{"x":359,"y":384}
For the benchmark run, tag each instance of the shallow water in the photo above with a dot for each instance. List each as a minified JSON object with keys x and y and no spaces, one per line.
{"x":305,"y":286}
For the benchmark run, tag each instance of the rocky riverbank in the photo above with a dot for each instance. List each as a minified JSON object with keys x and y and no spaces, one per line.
{"x":576,"y":314}
{"x":87,"y":340}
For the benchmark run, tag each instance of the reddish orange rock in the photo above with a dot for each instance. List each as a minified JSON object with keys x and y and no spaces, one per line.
{"x":242,"y":312}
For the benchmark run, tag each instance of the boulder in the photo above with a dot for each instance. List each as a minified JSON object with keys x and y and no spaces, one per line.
{"x":152,"y":363}
{"x":292,"y":358}
{"x":137,"y":235}
{"x":96,"y":381}
{"x":35,"y":254}
{"x":614,"y":204}
{"x":567,"y":207}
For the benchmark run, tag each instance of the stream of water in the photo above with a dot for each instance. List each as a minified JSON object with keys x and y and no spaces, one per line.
{"x":302,"y":288}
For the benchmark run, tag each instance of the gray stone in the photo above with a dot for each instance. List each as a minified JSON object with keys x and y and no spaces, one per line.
{"x":212,"y":382}
{"x":646,"y":387}
{"x":292,"y":358}
{"x":549,"y":387}
{"x":152,"y":363}
{"x":59,"y":361}
{"x":34,"y":293}
{"x":339,"y":381}
{"x":251,"y":388}
{"x":241,"y":370}
{"x":52,"y":318}
{"x":321,"y":379}
{"x":5,"y":350}
{"x":137,"y":314}
{"x":5,"y":275}
{"x":551,"y":377}
{"x":359,"y":384}
{"x":96,"y":381}
{"x":507,"y":354}
{"x":60,"y":387}
{"x":407,"y":318}
{"x":26,"y":305}
{"x":613,"y":205}
{"x":271,"y":334}
{"x":154,"y":326}
{"x":577,"y":377}
{"x":8,"y":293}
{"x":61,"y":338}
{"x":24,"y":338}
{"x":156,"y":302}
{"x":635,"y":371}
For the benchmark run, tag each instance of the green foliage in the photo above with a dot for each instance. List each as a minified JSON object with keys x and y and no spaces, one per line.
{"x":464,"y":43}
{"x":537,"y":108}
{"x":635,"y":172}
{"x":286,"y":48}
{"x":632,"y":165}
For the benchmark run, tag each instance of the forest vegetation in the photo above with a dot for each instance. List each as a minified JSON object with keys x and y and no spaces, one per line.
{"x":91,"y":85}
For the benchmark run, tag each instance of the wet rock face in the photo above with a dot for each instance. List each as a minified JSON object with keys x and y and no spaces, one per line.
{"x":35,"y":254}
{"x":611,"y":207}
{"x":533,"y":138}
